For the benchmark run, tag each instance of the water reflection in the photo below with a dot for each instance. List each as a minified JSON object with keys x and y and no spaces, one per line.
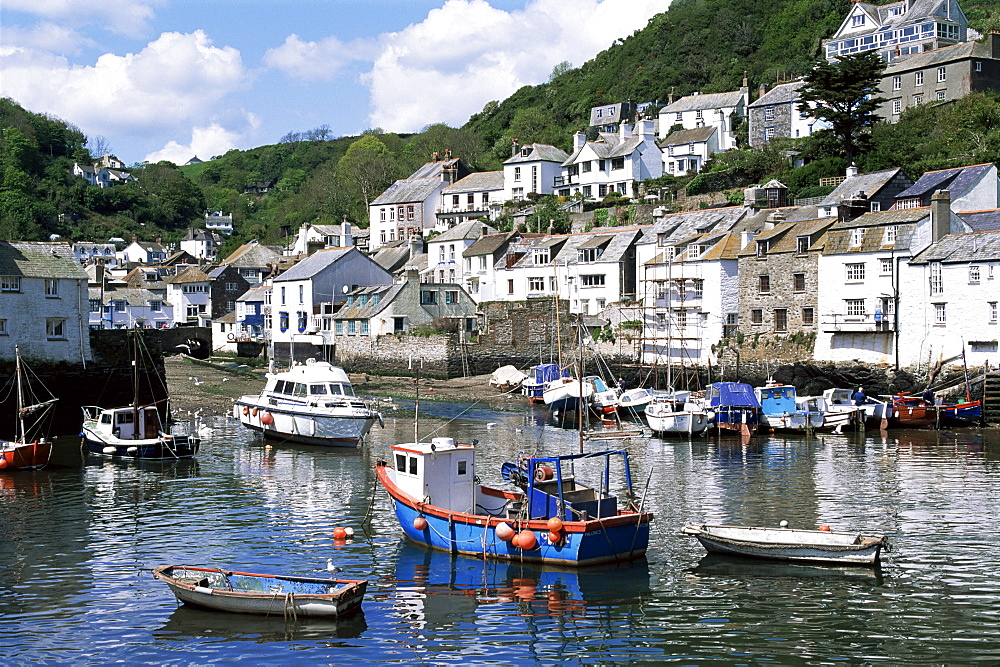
{"x":188,"y":622}
{"x":731,"y":569}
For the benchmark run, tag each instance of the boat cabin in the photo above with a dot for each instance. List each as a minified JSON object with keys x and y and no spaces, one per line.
{"x":440,"y":472}
{"x":121,"y":423}
{"x":777,"y":399}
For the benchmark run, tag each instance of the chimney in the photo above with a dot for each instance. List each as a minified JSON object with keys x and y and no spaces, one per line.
{"x":416,"y":245}
{"x":851,"y":171}
{"x":670,"y":97}
{"x":940,"y":215}
{"x":345,"y":233}
{"x":514,"y":148}
{"x":135,"y":238}
{"x":159,"y":240}
{"x":579,"y":140}
{"x":435,"y":156}
{"x":763,"y":91}
{"x":746,"y":238}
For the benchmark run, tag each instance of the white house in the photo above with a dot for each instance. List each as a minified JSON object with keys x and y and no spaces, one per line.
{"x":612,"y":163}
{"x":124,"y":308}
{"x":409,"y":206}
{"x":311,"y":238}
{"x":723,"y":111}
{"x":190,"y":293}
{"x":313,"y":289}
{"x":482,"y":258}
{"x":91,"y":253}
{"x":532,"y":168}
{"x":478,"y":195}
{"x":143,"y":252}
{"x":201,"y":244}
{"x":218,"y":222}
{"x":898,"y":28}
{"x":43,"y":302}
{"x":444,"y":252}
{"x":686,"y":151}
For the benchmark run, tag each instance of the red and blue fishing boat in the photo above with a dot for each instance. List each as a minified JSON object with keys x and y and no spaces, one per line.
{"x":548,"y":517}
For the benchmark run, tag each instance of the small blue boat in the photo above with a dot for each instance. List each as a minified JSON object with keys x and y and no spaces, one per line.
{"x":552,"y":518}
{"x":781,"y":412}
{"x":735,"y":406}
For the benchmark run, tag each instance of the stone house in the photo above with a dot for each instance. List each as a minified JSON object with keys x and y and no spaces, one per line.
{"x":43,"y":302}
{"x":254,"y":261}
{"x":781,"y":112}
{"x":948,"y":73}
{"x":532,"y":168}
{"x":898,"y":28}
{"x":226,"y":286}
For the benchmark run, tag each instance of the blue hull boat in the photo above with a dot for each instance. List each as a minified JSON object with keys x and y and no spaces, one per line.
{"x":553,"y":519}
{"x":735,"y":406}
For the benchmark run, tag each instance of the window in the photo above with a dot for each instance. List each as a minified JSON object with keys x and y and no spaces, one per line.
{"x":808,"y":316}
{"x":855,"y":307}
{"x":699,"y":288}
{"x":764,"y":284}
{"x":302,"y":293}
{"x":232,"y":286}
{"x":885,"y":266}
{"x":875,"y":206}
{"x":589,"y":254}
{"x":679,"y":116}
{"x":95,"y":305}
{"x":855,"y":272}
{"x":699,"y":114}
{"x":592,"y":280}
{"x":756,"y":316}
{"x":283,"y":321}
{"x":897,"y":106}
{"x":761,"y":248}
{"x":10,"y":283}
{"x":918,"y":79}
{"x":352,"y":327}
{"x":118,"y":305}
{"x":454,"y":201}
{"x":51,"y":288}
{"x":451,"y":296}
{"x":897,"y":82}
{"x":942,"y":74}
{"x":428,"y":297}
{"x":974,"y":273}
{"x":364,"y":327}
{"x":540,"y":255}
{"x":587,"y":191}
{"x":339,"y":327}
{"x":732,"y":323}
{"x":586,"y":166}
{"x":918,"y":99}
{"x":857,"y":20}
{"x":940,"y":315}
{"x":889,"y":235}
{"x":470,"y":199}
{"x":230,"y":306}
{"x":857,"y":237}
{"x":510,"y":286}
{"x":3,"y":323}
{"x":768,"y":113}
{"x":941,"y":95}
{"x":617,"y":163}
{"x":799,"y":282}
{"x":992,"y":305}
{"x":661,"y":320}
{"x":780,"y":319}
{"x":768,"y":133}
{"x":282,"y":295}
{"x":517,"y":173}
{"x":55,"y":328}
{"x":936,"y":282}
{"x":680,"y":318}
{"x":536,"y":284}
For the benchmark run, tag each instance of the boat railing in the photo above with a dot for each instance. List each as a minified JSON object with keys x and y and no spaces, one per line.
{"x":91,"y":412}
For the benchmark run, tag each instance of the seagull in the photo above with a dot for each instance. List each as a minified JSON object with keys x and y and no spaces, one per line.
{"x":491,"y":424}
{"x":225,"y":379}
{"x":197,"y":382}
{"x":330,"y":567}
{"x":519,"y":430}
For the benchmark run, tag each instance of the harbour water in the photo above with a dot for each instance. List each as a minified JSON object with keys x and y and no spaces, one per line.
{"x":77,"y":545}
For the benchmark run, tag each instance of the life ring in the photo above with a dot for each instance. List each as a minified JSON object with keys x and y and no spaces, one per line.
{"x":231,"y":336}
{"x":543,"y":473}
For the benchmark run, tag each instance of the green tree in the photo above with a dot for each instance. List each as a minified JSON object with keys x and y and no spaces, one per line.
{"x":846,"y":96}
{"x":367,"y":167}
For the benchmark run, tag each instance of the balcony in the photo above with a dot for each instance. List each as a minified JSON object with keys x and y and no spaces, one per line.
{"x":840,"y":323}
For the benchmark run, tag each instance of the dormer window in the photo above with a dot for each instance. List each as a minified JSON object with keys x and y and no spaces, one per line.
{"x":889,"y":235}
{"x":802,"y":244}
{"x":857,"y":236}
{"x":761,"y":248}
{"x":540,"y":256}
{"x":857,"y":20}
{"x":525,"y":152}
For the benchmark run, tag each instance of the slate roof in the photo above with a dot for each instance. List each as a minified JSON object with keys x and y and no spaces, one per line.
{"x":608,"y":145}
{"x":356,"y":311}
{"x":131,"y":296}
{"x":783,"y":93}
{"x":679,"y":226}
{"x":228,"y":318}
{"x":837,"y":240}
{"x":937,"y":57}
{"x":702,"y":102}
{"x":982,"y":221}
{"x":958,"y":181}
{"x":478,"y":181}
{"x":544,"y":152}
{"x":434,"y":169}
{"x":696,"y":135}
{"x":463,"y":231}
{"x":313,"y":264}
{"x":491,"y":243}
{"x":783,"y":238}
{"x":201,"y":235}
{"x":409,"y":190}
{"x":869,"y":183}
{"x":961,"y":248}
{"x":252,"y":255}
{"x":39,"y":260}
{"x":258,"y":293}
{"x":918,"y":12}
{"x":191,"y":274}
{"x":616,"y":242}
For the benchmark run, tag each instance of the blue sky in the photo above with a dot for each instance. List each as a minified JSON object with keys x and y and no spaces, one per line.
{"x":167,"y":79}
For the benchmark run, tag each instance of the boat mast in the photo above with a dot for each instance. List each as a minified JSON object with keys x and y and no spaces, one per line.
{"x":20,"y":395}
{"x":555,"y":302}
{"x":135,"y":384}
{"x":579,"y":382}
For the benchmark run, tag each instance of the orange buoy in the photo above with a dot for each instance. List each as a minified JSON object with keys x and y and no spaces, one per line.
{"x":420,"y":523}
{"x":254,"y":412}
{"x":246,"y":410}
{"x":543,"y":473}
{"x":516,"y":540}
{"x":266,"y":419}
{"x":3,"y":463}
{"x":825,"y":528}
{"x":555,"y":524}
{"x":527,"y":539}
{"x":339,"y":533}
{"x":504,"y":531}
{"x":554,"y":538}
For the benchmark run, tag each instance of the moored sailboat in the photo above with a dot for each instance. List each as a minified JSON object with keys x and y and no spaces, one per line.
{"x":30,"y":449}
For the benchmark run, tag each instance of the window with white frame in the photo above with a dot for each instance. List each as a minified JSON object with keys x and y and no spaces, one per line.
{"x":661,"y":320}
{"x":768,"y":133}
{"x":941,"y":95}
{"x":897,"y":106}
{"x":517,"y":173}
{"x":992,"y":312}
{"x":156,"y":306}
{"x":302,"y":293}
{"x":855,"y":272}
{"x":51,"y":288}
{"x":857,"y":20}
{"x":940,"y":314}
{"x":680,"y":318}
{"x":55,"y":328}
{"x":593,"y":280}
{"x":918,"y":99}
{"x":942,"y":74}
{"x":897,"y":82}
{"x":589,"y":254}
{"x":699,"y":288}
{"x":802,"y":244}
{"x":232,"y":286}
{"x":889,"y":235}
{"x":95,"y":305}
{"x":857,"y":237}
{"x":918,"y":79}
{"x":761,"y":248}
{"x":885,"y":266}
{"x":974,"y":273}
{"x":855,"y":307}
{"x":536,"y":284}
{"x":118,"y":305}
{"x":875,"y":207}
{"x":936,"y":281}
{"x":10,"y":283}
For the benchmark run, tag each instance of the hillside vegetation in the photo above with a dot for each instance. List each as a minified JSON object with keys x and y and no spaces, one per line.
{"x":696,"y":45}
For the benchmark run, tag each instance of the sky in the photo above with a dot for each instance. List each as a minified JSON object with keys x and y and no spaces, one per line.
{"x":167,"y":79}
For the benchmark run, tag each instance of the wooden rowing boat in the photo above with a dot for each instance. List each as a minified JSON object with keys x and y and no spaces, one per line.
{"x":789,"y":544}
{"x":269,"y":594}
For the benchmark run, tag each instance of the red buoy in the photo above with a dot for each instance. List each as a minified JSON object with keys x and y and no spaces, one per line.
{"x":554,"y":538}
{"x":420,"y":523}
{"x":266,"y":419}
{"x":339,"y":533}
{"x":555,"y":524}
{"x":825,"y":528}
{"x":527,"y":540}
{"x":516,"y":540}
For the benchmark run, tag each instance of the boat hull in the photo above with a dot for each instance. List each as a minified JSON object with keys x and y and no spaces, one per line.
{"x":665,"y":421}
{"x":345,"y":428}
{"x":165,"y":447}
{"x":247,"y":593}
{"x":24,"y":455}
{"x":582,"y":543}
{"x":789,"y":545}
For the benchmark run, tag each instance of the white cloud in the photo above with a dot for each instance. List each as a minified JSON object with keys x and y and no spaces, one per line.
{"x":46,"y":36}
{"x":467,"y":52}
{"x":206,"y":142}
{"x":318,"y":60}
{"x":124,"y":17}
{"x":176,"y":81}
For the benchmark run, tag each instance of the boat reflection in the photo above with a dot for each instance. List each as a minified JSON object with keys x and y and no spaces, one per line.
{"x":438,"y":586}
{"x":718,"y":565}
{"x":187,"y":622}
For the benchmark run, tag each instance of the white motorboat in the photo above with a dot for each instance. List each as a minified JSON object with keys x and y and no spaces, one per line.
{"x":565,"y":394}
{"x":876,"y":412}
{"x":311,"y":403}
{"x":833,"y":420}
{"x":664,"y":417}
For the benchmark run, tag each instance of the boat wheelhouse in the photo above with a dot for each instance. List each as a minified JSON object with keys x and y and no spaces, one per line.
{"x":781,"y":412}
